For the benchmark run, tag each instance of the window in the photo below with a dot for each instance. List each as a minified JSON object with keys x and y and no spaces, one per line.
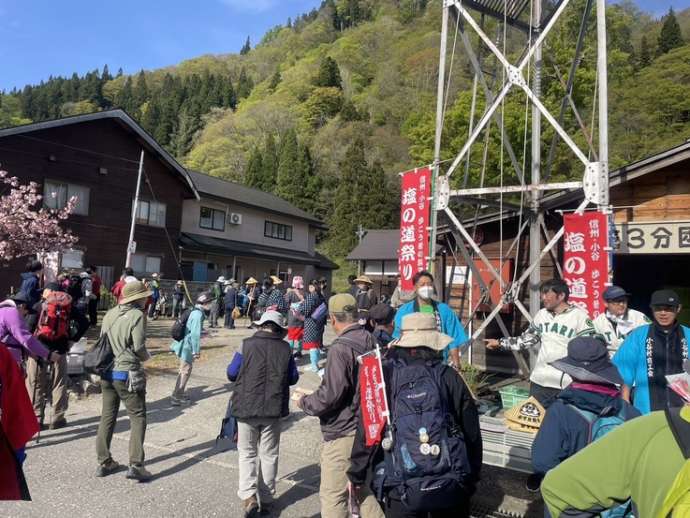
{"x":212,"y":219}
{"x":143,"y":263}
{"x":151,"y":213}
{"x":56,"y":195}
{"x":278,"y":231}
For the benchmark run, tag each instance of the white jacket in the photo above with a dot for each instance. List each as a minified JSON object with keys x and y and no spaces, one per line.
{"x":615,"y":329}
{"x":551,"y":332}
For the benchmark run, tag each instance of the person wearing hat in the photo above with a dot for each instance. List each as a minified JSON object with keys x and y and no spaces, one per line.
{"x":381,"y":318}
{"x":262,"y":371}
{"x":177,"y":299}
{"x":189,"y":348}
{"x":125,"y":325}
{"x":253,"y":292}
{"x":336,"y":404}
{"x":618,"y":320}
{"x":86,"y":293}
{"x":230,"y":302}
{"x":271,"y":298}
{"x":15,"y":334}
{"x":421,"y":346}
{"x":294,"y":298}
{"x":594,"y":392}
{"x":155,"y":287}
{"x":216,"y":293}
{"x":652,"y":352}
{"x":447,"y":321}
{"x":646,"y":461}
{"x":366,"y":298}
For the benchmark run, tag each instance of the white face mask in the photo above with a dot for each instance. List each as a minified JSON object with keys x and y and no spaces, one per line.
{"x":425,"y":292}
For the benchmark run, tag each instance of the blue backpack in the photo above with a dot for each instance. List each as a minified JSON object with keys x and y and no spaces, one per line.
{"x":599,"y":425}
{"x":427,"y":461}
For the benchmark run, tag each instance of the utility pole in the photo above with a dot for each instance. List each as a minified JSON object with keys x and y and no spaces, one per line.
{"x":131,"y":245}
{"x":536,"y":214}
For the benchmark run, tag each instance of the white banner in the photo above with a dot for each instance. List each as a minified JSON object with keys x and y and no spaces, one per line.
{"x":654,"y":237}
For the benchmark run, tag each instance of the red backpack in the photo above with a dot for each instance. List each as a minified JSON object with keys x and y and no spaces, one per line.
{"x":53,"y":323}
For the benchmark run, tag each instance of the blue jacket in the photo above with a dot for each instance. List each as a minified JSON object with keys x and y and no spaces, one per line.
{"x":450,"y":324}
{"x":191,"y":343}
{"x":564,"y":431}
{"x":631,"y":360}
{"x":30,"y":286}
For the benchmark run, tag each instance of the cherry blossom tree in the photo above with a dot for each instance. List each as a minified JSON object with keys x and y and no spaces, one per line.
{"x":26,"y":227}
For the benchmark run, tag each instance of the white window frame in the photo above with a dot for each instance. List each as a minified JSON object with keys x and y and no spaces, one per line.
{"x":215,"y":213}
{"x":146,"y":258}
{"x":51,"y":187}
{"x":143,"y":216}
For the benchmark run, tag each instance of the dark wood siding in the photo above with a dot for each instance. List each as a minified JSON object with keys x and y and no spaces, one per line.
{"x":76,"y":154}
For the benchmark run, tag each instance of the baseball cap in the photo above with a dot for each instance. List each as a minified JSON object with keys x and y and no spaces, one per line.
{"x":614,"y":292}
{"x":665,"y":298}
{"x":342,"y":303}
{"x":382,"y":314}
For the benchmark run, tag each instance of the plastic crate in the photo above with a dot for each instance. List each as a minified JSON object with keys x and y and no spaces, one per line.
{"x":512,"y":396}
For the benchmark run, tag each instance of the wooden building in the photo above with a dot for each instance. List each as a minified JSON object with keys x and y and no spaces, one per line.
{"x":95,"y":158}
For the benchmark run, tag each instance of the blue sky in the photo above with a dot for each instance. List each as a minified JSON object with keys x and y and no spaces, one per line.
{"x":44,"y":37}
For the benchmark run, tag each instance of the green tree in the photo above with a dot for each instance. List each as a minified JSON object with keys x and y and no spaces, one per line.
{"x":252,"y":175}
{"x":244,"y":85}
{"x":645,"y":54}
{"x":125,"y":98}
{"x":141,"y":90}
{"x":269,"y":165}
{"x":328,"y":74}
{"x":105,"y":75}
{"x":229,"y":94}
{"x":377,"y":203}
{"x":275,"y":81}
{"x":311,"y":199}
{"x":246,"y":47}
{"x":323,"y":104}
{"x":670,"y":36}
{"x":349,"y":112}
{"x":288,"y":179}
{"x":189,"y":123}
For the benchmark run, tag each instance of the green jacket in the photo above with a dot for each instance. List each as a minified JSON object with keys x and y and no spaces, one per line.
{"x":638,"y":460}
{"x":126,"y":328}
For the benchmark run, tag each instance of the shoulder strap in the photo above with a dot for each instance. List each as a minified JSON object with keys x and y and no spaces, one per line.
{"x":680,"y":429}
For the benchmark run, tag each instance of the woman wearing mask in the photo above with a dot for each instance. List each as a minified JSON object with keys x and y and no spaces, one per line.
{"x":447,"y":321}
{"x":295,"y":333}
{"x":315,"y":313}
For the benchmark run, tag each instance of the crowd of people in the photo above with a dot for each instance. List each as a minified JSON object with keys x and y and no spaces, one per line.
{"x":614,"y":438}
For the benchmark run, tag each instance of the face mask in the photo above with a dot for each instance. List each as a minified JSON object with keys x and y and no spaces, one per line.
{"x":425,"y":292}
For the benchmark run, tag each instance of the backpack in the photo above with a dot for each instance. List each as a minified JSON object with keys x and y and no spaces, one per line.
{"x":677,"y":501}
{"x":179,"y":328}
{"x":599,"y":425}
{"x":427,"y":462}
{"x":101,"y":358}
{"x":54,"y":320}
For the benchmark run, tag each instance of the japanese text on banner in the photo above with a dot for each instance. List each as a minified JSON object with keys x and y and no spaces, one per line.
{"x":373,"y":404}
{"x":414,"y":223}
{"x":586,"y":259}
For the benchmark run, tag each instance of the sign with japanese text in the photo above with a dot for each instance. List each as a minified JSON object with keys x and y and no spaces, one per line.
{"x":654,"y":237}
{"x":414,"y":225}
{"x":586,"y":259}
{"x":373,"y":404}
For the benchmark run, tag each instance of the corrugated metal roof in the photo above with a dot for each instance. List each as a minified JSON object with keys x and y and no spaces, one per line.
{"x":377,"y":244}
{"x":221,"y":188}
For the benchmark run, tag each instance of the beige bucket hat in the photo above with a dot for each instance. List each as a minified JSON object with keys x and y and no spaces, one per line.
{"x":419,"y":330}
{"x":134,"y":290}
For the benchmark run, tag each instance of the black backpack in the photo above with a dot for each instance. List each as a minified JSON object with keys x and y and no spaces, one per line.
{"x":101,"y":358}
{"x":180,"y":326}
{"x":427,"y":463}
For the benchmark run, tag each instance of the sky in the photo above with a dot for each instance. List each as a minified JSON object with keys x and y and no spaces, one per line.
{"x":48,"y":37}
{"x":41,"y":38}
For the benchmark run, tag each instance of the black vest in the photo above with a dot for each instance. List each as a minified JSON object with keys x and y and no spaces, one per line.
{"x":262,"y":388}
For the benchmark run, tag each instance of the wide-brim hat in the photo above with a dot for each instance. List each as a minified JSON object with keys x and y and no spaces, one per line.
{"x":526,"y":416}
{"x":252,"y":280}
{"x":276,"y":280}
{"x":364,"y":279}
{"x":419,"y":330}
{"x":134,"y":290}
{"x":271,"y":316}
{"x":220,"y":279}
{"x":588,"y":360}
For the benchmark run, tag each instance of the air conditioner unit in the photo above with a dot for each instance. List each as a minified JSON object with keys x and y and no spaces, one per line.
{"x":234,"y":218}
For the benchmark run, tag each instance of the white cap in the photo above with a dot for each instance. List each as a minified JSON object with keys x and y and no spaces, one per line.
{"x":221,"y":279}
{"x":271,"y":316}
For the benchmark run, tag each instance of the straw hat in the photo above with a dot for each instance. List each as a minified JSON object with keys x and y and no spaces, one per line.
{"x":277,"y":281}
{"x":525,"y":417}
{"x":419,"y":330}
{"x":252,"y":280}
{"x":364,"y":279}
{"x":134,"y":291}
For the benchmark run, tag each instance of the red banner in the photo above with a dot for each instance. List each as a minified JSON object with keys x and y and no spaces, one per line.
{"x":414,"y":225}
{"x":586,"y":259}
{"x":374,"y":406}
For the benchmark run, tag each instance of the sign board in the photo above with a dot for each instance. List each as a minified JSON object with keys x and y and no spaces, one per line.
{"x":413,"y":253}
{"x":654,"y":237}
{"x":72,"y":259}
{"x":586,"y":259}
{"x":132,"y":248}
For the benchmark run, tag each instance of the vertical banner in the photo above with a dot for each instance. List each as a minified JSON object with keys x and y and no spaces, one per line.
{"x":414,"y":224}
{"x":373,"y":404}
{"x":586,"y":259}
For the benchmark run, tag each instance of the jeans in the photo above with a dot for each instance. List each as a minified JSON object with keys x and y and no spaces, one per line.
{"x":37,"y":378}
{"x":135,"y":402}
{"x":258,"y":446}
{"x":229,"y":321}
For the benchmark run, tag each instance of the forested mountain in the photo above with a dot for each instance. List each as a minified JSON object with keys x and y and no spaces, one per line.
{"x":328,"y":108}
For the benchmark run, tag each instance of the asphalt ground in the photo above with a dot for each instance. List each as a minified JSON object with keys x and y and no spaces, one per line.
{"x":193,"y":476}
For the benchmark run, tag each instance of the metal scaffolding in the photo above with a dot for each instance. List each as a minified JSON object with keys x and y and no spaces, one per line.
{"x":527,"y":17}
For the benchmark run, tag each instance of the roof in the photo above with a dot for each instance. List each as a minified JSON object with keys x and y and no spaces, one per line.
{"x":206,"y":244}
{"x":378,"y":244}
{"x":120,"y":116}
{"x":248,"y":196}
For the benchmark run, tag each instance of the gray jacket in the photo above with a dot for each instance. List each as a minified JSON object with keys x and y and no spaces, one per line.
{"x":336,"y":402}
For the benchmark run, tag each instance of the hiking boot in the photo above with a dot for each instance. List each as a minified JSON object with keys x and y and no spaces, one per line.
{"x":251,"y":507}
{"x":139,"y":473}
{"x":107,"y":468}
{"x":58,"y":423}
